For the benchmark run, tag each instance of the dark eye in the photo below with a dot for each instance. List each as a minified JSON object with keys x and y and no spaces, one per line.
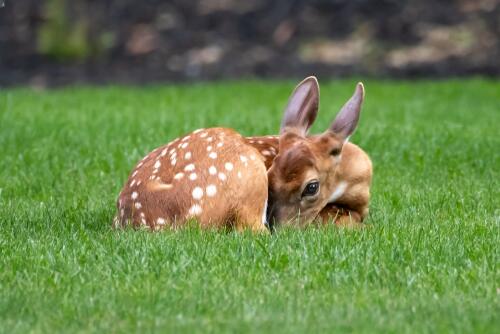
{"x":336,"y":151}
{"x":311,"y":189}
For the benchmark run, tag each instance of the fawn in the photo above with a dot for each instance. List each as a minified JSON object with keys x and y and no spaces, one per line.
{"x":219,"y":178}
{"x":211,"y":175}
{"x":321,"y":177}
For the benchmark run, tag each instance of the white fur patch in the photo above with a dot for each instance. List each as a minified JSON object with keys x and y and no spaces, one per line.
{"x":197,"y":193}
{"x":189,"y":168}
{"x":339,"y":191}
{"x":195,"y":210}
{"x":211,"y":190}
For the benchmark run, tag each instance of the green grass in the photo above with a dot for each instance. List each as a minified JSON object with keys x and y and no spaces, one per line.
{"x":430,"y":262}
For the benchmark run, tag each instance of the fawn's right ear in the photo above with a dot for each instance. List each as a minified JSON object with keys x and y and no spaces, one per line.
{"x":347,"y":119}
{"x":302,"y":107}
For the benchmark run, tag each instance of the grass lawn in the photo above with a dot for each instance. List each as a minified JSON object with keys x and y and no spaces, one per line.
{"x":430,"y":262}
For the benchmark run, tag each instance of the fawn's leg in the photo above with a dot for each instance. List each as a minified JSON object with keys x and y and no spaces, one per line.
{"x":341,"y":216}
{"x":253,"y":216}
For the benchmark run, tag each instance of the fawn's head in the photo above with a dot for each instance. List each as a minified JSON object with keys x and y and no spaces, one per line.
{"x":301,"y":178}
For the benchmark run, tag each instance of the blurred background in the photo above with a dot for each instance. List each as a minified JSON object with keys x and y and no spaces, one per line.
{"x":57,"y":42}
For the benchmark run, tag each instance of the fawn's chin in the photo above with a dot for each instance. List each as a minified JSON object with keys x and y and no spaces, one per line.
{"x":291,"y":218}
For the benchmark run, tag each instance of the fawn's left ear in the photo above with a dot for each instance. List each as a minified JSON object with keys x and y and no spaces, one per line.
{"x":347,"y":119}
{"x":302,"y":107}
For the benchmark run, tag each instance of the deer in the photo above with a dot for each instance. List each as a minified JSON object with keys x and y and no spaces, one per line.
{"x":209,"y":175}
{"x":319,"y":178}
{"x":222,"y":179}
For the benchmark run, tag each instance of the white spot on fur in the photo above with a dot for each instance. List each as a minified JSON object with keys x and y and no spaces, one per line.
{"x":211,"y":190}
{"x":339,"y":191}
{"x":193,"y":176}
{"x":203,"y":135}
{"x":195,"y":210}
{"x":157,"y":164}
{"x":189,"y":168}
{"x":239,"y":174}
{"x":209,"y":139}
{"x":222,"y":177}
{"x":197,"y":193}
{"x":213,"y":155}
{"x":187,"y":156}
{"x":173,"y":162}
{"x":179,"y":176}
{"x":260,"y":142}
{"x":164,"y":152}
{"x":243,"y":158}
{"x":186,"y":138}
{"x":212,"y":170}
{"x":134,"y":195}
{"x":252,"y":156}
{"x":160,"y":221}
{"x":139,"y":182}
{"x":209,"y":148}
{"x":132,"y":183}
{"x":220,"y":144}
{"x":266,"y":152}
{"x":229,"y":166}
{"x":138,"y":205}
{"x":135,"y":173}
{"x":184,"y":145}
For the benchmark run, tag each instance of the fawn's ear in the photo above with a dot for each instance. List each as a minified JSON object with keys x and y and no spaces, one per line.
{"x":347,"y":119}
{"x":302,"y":107}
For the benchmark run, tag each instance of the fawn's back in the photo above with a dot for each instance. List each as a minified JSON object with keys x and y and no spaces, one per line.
{"x":210,"y":175}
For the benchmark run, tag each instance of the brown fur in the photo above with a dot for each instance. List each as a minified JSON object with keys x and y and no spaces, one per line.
{"x":154,"y":198}
{"x":326,"y":158}
{"x":355,"y":168}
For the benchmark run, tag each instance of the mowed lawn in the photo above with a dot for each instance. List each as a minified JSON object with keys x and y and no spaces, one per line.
{"x":429,"y":262}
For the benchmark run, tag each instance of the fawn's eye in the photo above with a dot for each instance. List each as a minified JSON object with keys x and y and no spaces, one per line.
{"x":336,"y":151}
{"x":311,"y":189}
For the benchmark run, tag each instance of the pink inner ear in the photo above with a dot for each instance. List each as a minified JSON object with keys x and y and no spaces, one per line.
{"x":302,"y":107}
{"x":347,"y":119}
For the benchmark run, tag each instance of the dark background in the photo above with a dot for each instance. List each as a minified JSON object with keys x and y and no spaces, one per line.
{"x":56,"y":42}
